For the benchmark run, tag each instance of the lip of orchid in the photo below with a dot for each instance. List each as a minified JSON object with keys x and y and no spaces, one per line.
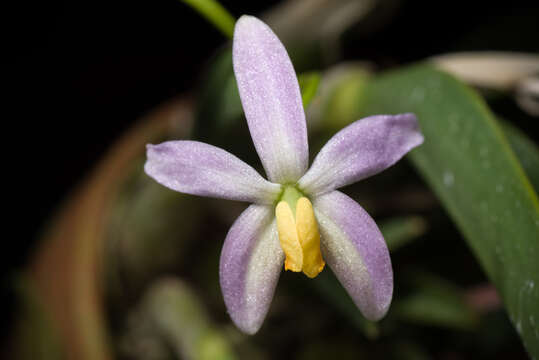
{"x":298,"y":219}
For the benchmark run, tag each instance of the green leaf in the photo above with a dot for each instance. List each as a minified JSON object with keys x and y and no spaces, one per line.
{"x":469,"y":164}
{"x":344,"y":99}
{"x":141,"y":245}
{"x":218,"y":107}
{"x":308,"y":83}
{"x":327,"y":286}
{"x":180,"y":316}
{"x":397,"y":232}
{"x":526,"y":151}
{"x":407,"y":350}
{"x":400,"y":231}
{"x":436,"y":302}
{"x":215,"y":13}
{"x":35,"y":336}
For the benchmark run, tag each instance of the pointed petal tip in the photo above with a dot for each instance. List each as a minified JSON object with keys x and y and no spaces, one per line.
{"x":247,"y":22}
{"x":418,"y":138}
{"x":247,"y":328}
{"x":149,"y":157}
{"x":380,"y":311}
{"x":246,"y":19}
{"x":245,"y":26}
{"x":149,"y":147}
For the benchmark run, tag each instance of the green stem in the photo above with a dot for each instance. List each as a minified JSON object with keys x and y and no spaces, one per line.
{"x":215,"y":13}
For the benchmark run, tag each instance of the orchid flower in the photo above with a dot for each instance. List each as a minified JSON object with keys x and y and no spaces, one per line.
{"x":297,"y":218}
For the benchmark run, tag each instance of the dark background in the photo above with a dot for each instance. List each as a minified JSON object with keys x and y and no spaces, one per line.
{"x":80,"y":73}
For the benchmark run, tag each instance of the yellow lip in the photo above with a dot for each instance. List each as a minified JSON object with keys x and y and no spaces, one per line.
{"x":299,"y":237}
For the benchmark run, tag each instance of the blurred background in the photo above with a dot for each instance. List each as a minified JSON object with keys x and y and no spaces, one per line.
{"x":80,"y":75}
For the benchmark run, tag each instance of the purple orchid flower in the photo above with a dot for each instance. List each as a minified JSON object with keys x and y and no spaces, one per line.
{"x":297,"y":217}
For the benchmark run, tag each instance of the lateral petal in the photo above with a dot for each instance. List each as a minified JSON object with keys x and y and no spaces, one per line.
{"x":355,"y":250}
{"x":360,"y":150}
{"x":251,"y":262}
{"x":197,"y":168}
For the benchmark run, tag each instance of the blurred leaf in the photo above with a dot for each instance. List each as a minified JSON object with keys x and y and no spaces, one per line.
{"x":400,"y":231}
{"x":215,"y":14}
{"x":218,"y":104}
{"x":470,"y":166}
{"x":332,"y":348}
{"x":36,"y":336}
{"x":436,"y":302}
{"x":180,"y":316}
{"x":397,"y":232}
{"x":406,"y":350}
{"x":332,"y":291}
{"x":489,"y":69}
{"x":313,"y":31}
{"x":69,"y":267}
{"x":344,"y":96}
{"x":526,"y":151}
{"x":308,"y":83}
{"x":141,"y":245}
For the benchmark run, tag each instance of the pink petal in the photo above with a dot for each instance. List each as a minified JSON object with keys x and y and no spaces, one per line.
{"x":360,"y":150}
{"x":251,"y":262}
{"x":200,"y":169}
{"x":271,"y":100}
{"x":355,"y":250}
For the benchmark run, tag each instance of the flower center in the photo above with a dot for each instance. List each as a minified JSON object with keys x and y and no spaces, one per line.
{"x":298,"y":233}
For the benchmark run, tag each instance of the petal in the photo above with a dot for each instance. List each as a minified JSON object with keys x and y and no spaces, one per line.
{"x":251,"y":262}
{"x":355,"y":250}
{"x":360,"y":150}
{"x":271,"y":100}
{"x":200,"y":169}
